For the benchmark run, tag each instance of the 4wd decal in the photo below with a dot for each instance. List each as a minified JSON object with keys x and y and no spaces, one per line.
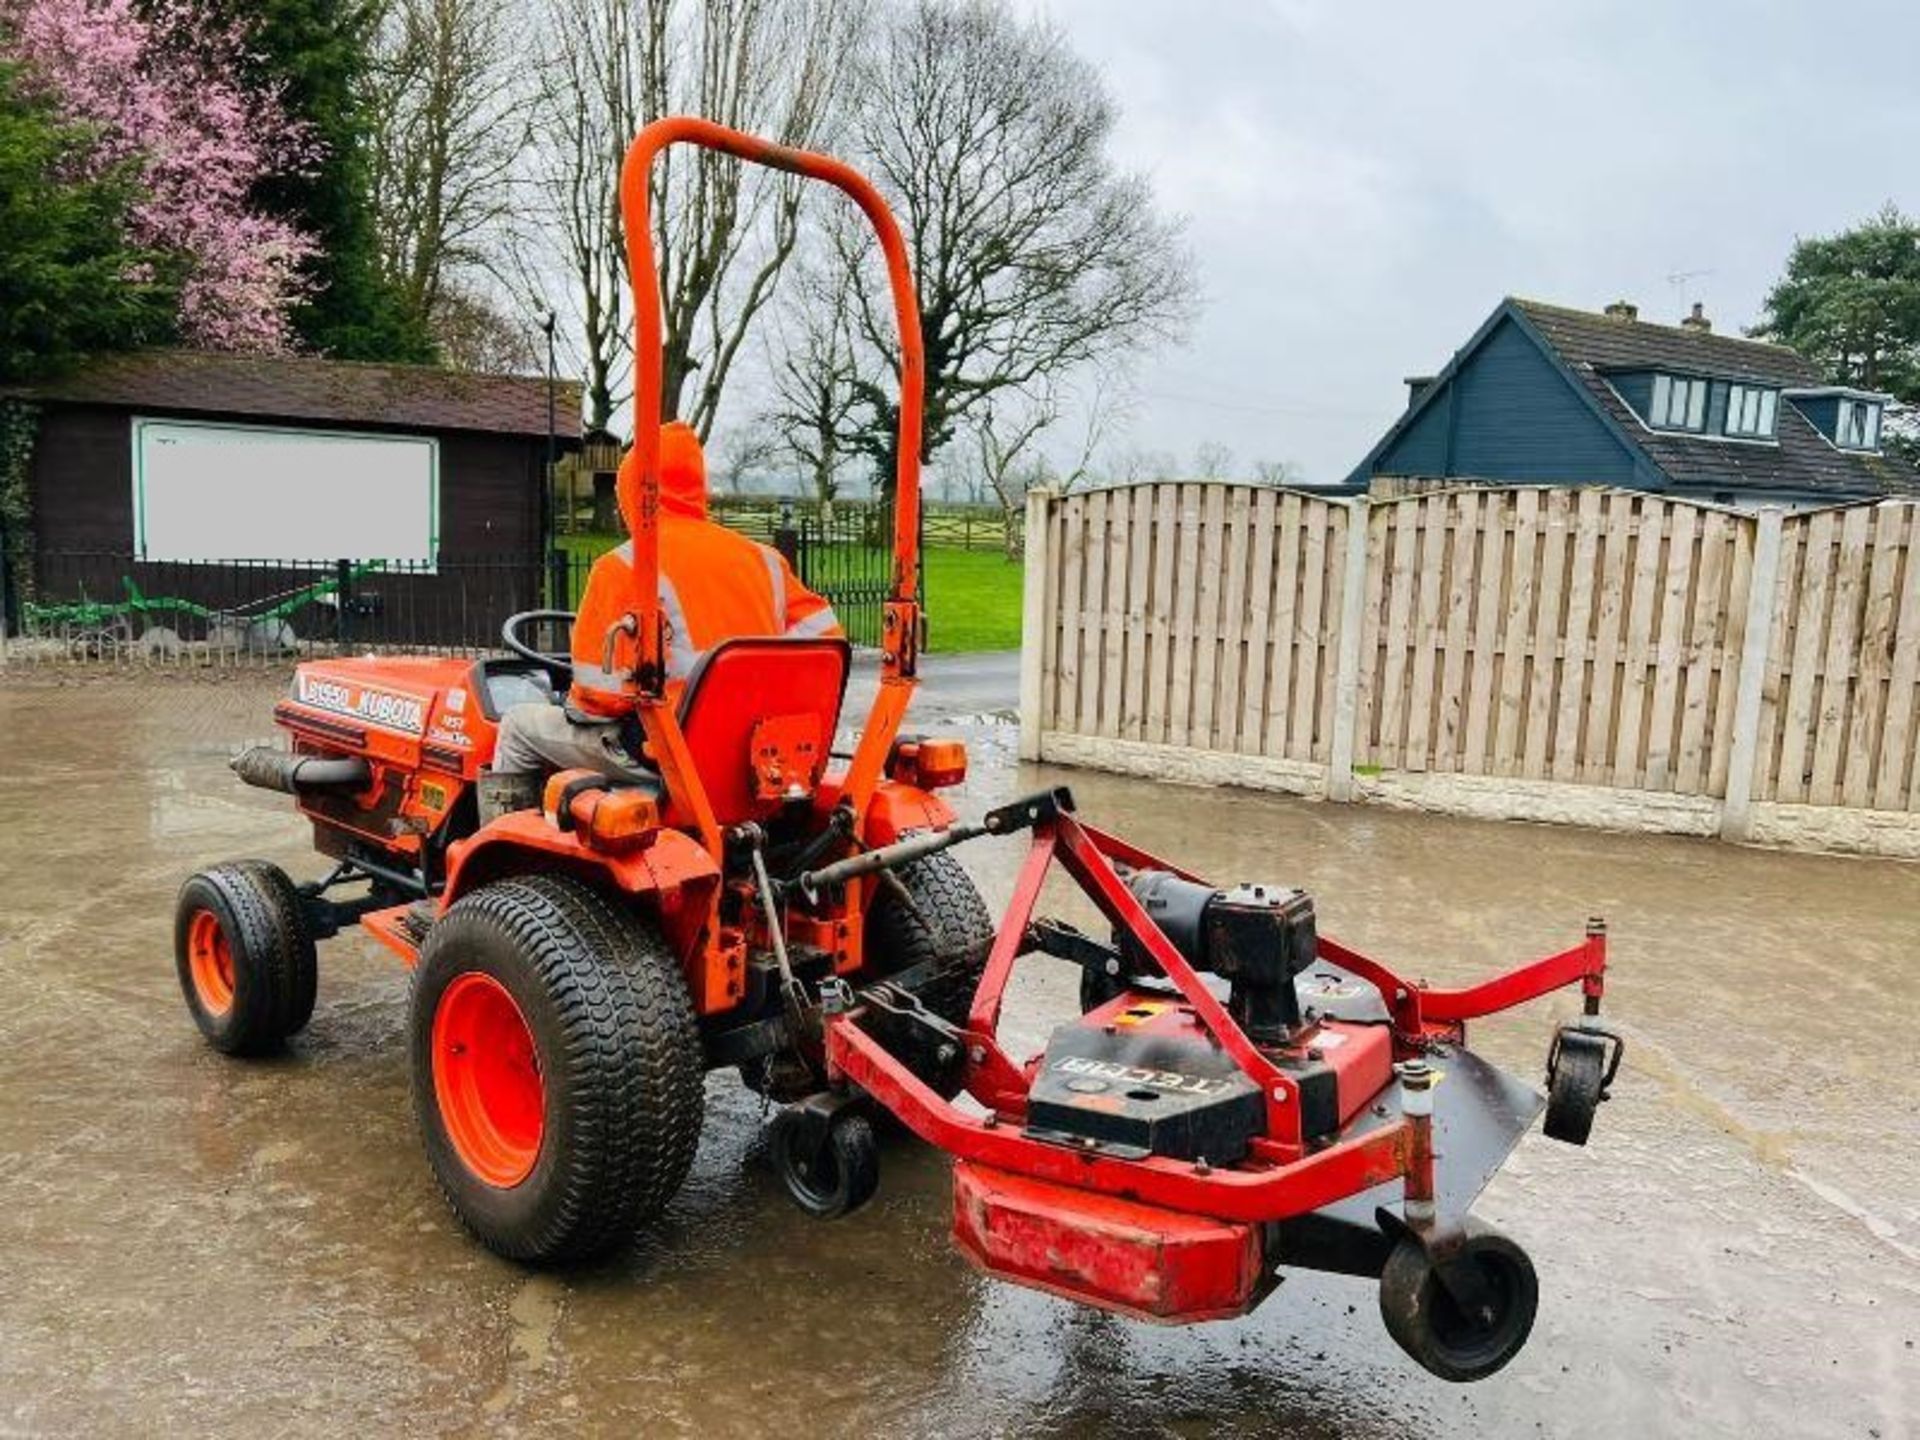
{"x":362,"y":702}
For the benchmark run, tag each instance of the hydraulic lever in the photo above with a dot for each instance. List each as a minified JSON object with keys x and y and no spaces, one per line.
{"x":793,"y":995}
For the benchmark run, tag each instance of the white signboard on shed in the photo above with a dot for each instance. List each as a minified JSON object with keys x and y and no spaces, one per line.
{"x":256,"y":492}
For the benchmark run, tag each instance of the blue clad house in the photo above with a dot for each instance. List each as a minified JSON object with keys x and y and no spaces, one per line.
{"x":1544,"y":394}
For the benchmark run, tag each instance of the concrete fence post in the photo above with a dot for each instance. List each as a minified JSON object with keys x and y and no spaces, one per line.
{"x":1034,"y":621}
{"x":1736,"y":814}
{"x":1346,"y":684}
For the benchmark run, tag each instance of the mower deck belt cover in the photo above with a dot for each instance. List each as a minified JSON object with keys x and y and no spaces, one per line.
{"x":1140,"y":1076}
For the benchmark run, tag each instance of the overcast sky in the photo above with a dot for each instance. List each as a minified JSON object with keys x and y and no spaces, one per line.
{"x":1364,"y":182}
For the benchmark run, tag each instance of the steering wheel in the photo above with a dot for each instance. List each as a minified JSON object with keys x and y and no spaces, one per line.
{"x":559,"y":667}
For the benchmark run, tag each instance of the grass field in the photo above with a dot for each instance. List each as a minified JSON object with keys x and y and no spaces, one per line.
{"x":973,"y":600}
{"x":973,"y":596}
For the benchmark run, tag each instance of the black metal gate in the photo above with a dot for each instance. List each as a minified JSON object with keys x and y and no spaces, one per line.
{"x":846,"y":555}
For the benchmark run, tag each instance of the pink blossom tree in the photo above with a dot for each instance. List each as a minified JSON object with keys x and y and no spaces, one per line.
{"x":161,"y":88}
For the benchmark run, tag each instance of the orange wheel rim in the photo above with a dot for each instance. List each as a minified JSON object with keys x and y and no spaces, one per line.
{"x":210,"y":962}
{"x":486,"y":1080}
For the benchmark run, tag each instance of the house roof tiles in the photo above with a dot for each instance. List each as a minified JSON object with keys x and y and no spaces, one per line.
{"x":1595,"y":346}
{"x":1606,"y":343}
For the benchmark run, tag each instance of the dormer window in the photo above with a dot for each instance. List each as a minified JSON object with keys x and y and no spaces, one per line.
{"x":1857,"y":426}
{"x":1678,"y":403}
{"x":1751,"y":411}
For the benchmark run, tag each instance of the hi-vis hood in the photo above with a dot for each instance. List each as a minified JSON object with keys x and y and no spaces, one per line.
{"x":683,"y":476}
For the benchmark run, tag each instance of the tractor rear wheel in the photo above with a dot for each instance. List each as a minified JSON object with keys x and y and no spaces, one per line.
{"x":245,"y":956}
{"x":557,"y":1069}
{"x":936,"y":916}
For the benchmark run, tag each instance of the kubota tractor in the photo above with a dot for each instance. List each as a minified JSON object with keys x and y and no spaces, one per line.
{"x":1240,"y":1093}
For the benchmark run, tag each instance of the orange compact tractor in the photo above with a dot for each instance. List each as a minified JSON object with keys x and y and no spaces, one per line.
{"x":1239,"y":1094}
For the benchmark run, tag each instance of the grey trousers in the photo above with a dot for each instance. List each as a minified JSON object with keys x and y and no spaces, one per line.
{"x":535,"y":737}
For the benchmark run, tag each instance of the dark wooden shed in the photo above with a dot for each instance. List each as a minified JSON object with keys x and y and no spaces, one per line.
{"x":238,"y":473}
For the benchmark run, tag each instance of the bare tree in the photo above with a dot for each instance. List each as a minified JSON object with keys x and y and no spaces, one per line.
{"x":1137,"y":464}
{"x":1007,"y":455}
{"x":1277,"y":472}
{"x":1008,"y":460}
{"x":449,"y":119}
{"x":747,"y":459}
{"x":723,"y":231}
{"x":473,"y":333}
{"x":586,"y":111}
{"x":816,"y":371}
{"x":1212,"y":460}
{"x":1033,"y":254}
{"x":1107,"y":401}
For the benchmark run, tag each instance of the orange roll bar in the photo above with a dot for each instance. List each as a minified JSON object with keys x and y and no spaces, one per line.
{"x":643,"y":272}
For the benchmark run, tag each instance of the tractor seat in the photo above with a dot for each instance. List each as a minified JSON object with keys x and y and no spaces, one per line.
{"x":759,"y":714}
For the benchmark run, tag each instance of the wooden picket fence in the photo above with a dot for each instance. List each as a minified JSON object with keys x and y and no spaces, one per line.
{"x":1551,"y":652}
{"x":1196,"y":615}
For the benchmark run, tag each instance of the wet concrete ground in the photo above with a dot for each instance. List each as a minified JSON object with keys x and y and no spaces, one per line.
{"x":193,"y":1243}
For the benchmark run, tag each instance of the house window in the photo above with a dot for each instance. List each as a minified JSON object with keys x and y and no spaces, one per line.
{"x":1679,"y":404}
{"x":1750,"y":410}
{"x":1858,"y":426}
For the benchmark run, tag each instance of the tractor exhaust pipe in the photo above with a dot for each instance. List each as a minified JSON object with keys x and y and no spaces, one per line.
{"x":271,"y":769}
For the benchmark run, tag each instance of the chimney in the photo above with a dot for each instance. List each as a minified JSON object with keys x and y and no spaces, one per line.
{"x":1623,"y":310}
{"x":1697,"y":321}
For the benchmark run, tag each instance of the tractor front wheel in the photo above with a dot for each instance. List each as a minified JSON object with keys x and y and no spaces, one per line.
{"x":245,"y":956}
{"x":556,"y":1068}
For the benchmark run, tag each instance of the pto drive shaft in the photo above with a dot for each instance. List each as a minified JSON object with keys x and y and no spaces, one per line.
{"x":1041,"y":806}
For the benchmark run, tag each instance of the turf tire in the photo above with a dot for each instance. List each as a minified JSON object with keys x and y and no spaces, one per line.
{"x":619,"y":1055}
{"x":947,"y":923}
{"x":262,"y":921}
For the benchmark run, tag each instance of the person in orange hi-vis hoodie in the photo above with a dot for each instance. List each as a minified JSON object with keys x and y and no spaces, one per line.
{"x":715,"y":585}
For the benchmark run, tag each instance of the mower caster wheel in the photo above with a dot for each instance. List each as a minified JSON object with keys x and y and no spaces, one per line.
{"x":1579,"y":1069}
{"x":1464,"y":1317}
{"x":828,"y":1176}
{"x":244,"y":956}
